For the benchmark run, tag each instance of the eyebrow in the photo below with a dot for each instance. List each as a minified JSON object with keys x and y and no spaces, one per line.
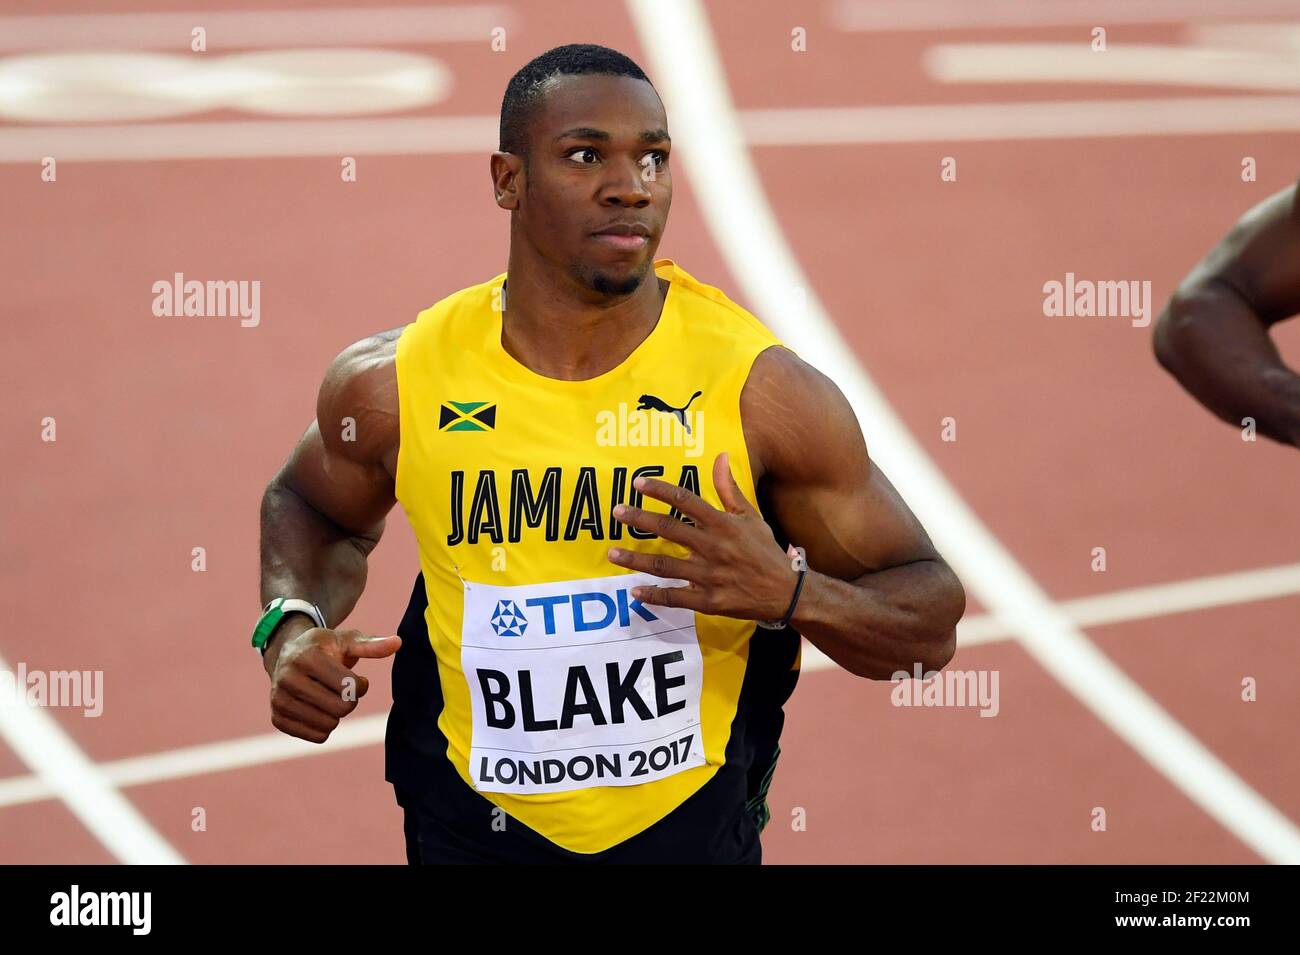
{"x":599,"y":135}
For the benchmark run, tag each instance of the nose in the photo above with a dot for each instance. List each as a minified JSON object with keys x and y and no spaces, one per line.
{"x":624,"y":186}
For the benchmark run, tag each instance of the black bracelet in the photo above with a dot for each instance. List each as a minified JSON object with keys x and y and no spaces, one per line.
{"x":798,"y":588}
{"x":785,"y":621}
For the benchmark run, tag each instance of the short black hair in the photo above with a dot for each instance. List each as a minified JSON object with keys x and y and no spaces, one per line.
{"x":526,"y":87}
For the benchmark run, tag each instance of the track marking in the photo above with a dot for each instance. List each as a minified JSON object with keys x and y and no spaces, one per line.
{"x":1124,"y":606}
{"x":69,"y":774}
{"x":818,"y":126}
{"x":1147,"y":64}
{"x":206,"y":758}
{"x":1199,"y":593}
{"x":86,"y":87}
{"x":251,"y":28}
{"x":888,"y":16}
{"x":1138,"y":603}
{"x":1248,"y":36}
{"x":679,"y":43}
{"x":251,"y":140}
{"x":995,"y":122}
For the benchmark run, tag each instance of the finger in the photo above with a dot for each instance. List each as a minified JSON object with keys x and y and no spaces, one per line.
{"x":733,"y":499}
{"x":292,"y":708}
{"x":660,"y":565}
{"x":349,"y":686}
{"x":663,"y":525}
{"x":294,"y":728}
{"x":323,"y":666}
{"x":687,"y":502}
{"x":361,"y":646}
{"x":304,"y":688}
{"x":688,"y":598}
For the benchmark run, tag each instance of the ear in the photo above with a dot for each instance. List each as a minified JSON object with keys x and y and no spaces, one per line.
{"x":507,"y":171}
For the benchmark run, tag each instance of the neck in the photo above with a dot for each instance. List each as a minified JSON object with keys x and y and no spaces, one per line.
{"x":559,"y":329}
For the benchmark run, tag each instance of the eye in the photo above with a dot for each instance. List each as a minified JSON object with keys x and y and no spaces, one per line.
{"x":656,"y":156}
{"x":575,"y":154}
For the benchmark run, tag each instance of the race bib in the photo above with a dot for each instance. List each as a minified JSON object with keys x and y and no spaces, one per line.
{"x":577,"y":684}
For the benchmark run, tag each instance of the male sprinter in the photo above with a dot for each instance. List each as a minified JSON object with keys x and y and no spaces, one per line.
{"x":1213,"y":335}
{"x":604,"y":461}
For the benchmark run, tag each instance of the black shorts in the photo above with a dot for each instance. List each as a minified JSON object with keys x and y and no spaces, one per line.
{"x":448,"y":822}
{"x":687,"y":836}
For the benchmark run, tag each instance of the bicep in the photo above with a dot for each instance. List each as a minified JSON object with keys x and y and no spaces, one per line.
{"x":820,"y":484}
{"x":353,"y":495}
{"x":851,"y":525}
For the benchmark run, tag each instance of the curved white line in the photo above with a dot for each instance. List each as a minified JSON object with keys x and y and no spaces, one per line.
{"x":677,"y":37}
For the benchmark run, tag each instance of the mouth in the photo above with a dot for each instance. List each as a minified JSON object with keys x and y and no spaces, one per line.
{"x":624,"y":236}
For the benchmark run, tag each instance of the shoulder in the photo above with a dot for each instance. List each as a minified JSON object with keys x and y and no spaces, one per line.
{"x":357,"y":408}
{"x":716,"y":312}
{"x":797,"y":422}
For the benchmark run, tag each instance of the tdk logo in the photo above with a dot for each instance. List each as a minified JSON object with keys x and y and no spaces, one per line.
{"x":586,"y":611}
{"x":508,"y":620}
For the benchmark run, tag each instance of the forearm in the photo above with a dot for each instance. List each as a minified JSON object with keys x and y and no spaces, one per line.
{"x":1219,"y":350}
{"x":305,"y":554}
{"x":885,"y":621}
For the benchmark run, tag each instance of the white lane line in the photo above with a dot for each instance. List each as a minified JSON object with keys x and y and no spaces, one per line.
{"x":893,"y":15}
{"x":237,"y":753}
{"x":1124,"y":606}
{"x":227,"y":29}
{"x":250,"y":140}
{"x":1138,"y":603}
{"x":207,"y":758}
{"x":1280,"y":37}
{"x":993,"y":122}
{"x":815,"y":126}
{"x":686,"y":65}
{"x":1147,"y":64}
{"x":70,"y":775}
{"x":1200,"y":593}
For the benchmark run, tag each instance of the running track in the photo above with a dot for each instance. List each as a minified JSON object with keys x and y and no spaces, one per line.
{"x":1118,"y":689}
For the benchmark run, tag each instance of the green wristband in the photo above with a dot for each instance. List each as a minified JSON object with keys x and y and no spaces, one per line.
{"x":275,"y":611}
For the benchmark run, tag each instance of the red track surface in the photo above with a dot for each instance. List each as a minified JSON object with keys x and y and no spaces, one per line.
{"x":1069,"y":438}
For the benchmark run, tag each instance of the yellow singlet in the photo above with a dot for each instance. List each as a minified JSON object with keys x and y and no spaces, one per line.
{"x":581,"y":712}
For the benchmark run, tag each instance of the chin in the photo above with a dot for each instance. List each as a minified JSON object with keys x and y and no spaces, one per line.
{"x":619,"y":284}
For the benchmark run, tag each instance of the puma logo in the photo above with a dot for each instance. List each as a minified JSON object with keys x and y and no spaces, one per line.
{"x":652,"y":403}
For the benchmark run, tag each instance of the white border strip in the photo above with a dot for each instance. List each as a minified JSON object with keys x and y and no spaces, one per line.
{"x":228,"y":29}
{"x":677,"y":37}
{"x":67,"y":773}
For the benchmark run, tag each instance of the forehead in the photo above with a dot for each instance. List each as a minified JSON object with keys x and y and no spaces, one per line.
{"x":616,"y":104}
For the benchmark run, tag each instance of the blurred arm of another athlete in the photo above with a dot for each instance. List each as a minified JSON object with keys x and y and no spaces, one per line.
{"x":1213,"y":336}
{"x":322,"y":515}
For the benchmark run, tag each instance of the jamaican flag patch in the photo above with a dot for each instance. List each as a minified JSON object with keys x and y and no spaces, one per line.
{"x":467,"y":416}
